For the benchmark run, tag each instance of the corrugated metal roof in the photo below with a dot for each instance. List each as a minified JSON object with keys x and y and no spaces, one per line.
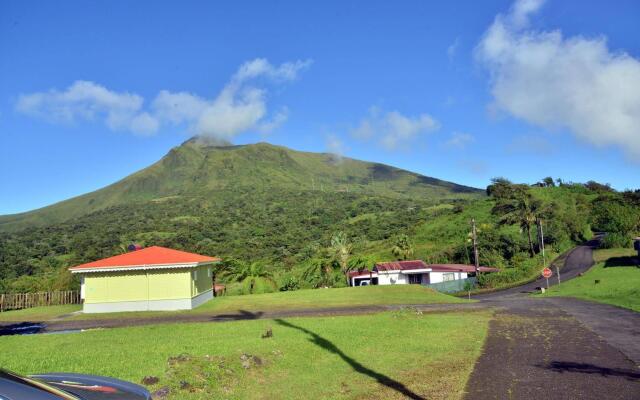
{"x":149,"y":256}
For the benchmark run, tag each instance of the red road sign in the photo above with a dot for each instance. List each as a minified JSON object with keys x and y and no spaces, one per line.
{"x":547,"y":273}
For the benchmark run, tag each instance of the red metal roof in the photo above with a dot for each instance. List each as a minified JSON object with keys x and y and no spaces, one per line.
{"x":149,"y":256}
{"x":362,"y":272}
{"x":419,"y":264}
{"x":400,"y":265}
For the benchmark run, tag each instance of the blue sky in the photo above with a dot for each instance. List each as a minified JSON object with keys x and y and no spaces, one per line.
{"x":92,"y":91}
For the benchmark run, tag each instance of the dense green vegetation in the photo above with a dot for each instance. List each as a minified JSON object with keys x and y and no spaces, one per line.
{"x":615,"y":279}
{"x":287,"y":220}
{"x":329,"y":357}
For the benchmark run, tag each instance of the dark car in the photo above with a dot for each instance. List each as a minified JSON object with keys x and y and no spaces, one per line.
{"x":67,"y":387}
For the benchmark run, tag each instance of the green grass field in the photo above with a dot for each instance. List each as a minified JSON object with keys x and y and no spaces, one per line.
{"x":39,"y":313}
{"x":389,"y":355}
{"x":300,"y":299}
{"x":619,"y":276}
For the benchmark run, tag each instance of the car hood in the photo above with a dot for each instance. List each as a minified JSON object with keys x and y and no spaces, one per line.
{"x":92,"y":387}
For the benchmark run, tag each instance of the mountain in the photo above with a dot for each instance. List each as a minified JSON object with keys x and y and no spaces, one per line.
{"x":200,"y":168}
{"x":279,"y":207}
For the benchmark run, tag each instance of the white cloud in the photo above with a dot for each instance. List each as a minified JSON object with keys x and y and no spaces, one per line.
{"x":275,"y":122}
{"x":240,"y":106}
{"x":557,"y":82}
{"x":178,"y":107}
{"x":144,"y":124}
{"x":460,"y":140}
{"x":287,"y":71}
{"x":335,"y":146}
{"x":84,"y":100}
{"x":393,"y":129}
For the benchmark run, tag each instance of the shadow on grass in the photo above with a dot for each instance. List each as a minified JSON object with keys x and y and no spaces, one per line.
{"x":622,"y":262}
{"x":241,"y":315}
{"x":332,"y":348}
{"x":22,"y":328}
{"x":584,"y":368}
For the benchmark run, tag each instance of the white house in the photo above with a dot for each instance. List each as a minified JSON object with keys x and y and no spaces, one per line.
{"x":413,"y":272}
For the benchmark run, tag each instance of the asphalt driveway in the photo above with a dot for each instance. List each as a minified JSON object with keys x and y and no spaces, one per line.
{"x":557,"y":348}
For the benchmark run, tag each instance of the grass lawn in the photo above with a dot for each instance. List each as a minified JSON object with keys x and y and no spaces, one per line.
{"x":389,"y":355}
{"x":300,"y":299}
{"x":619,"y":277}
{"x":39,"y":313}
{"x":304,"y":299}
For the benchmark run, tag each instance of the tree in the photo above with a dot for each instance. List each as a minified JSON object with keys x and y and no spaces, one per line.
{"x":402,"y":248}
{"x":500,"y":187}
{"x":318,"y":272}
{"x":250,"y":275}
{"x":611,"y":215}
{"x":598,"y":187}
{"x":520,"y":208}
{"x":548,"y":182}
{"x":341,"y":250}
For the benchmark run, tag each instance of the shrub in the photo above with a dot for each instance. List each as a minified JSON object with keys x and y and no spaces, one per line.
{"x":613,"y":240}
{"x":289,"y":283}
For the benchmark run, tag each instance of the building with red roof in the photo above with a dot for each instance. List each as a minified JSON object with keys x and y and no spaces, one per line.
{"x":413,"y":272}
{"x":153,"y":278}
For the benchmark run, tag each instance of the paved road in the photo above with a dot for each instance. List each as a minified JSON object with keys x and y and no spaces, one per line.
{"x":558,"y":348}
{"x":21,"y":327}
{"x":576,"y":261}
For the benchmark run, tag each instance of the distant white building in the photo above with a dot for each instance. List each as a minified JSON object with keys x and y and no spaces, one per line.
{"x":413,"y":272}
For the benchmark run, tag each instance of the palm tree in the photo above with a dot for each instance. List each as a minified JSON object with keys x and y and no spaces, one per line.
{"x":249,"y":275}
{"x":403,"y":248}
{"x":520,"y":209}
{"x":317,"y":272}
{"x":341,"y":250}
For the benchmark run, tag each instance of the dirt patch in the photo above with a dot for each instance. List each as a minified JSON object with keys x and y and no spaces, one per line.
{"x":190,"y":376}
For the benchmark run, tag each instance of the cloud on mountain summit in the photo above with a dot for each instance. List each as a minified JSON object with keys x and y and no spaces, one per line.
{"x":239,"y":107}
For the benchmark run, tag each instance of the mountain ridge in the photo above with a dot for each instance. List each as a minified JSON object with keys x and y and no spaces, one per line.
{"x":198,"y":167}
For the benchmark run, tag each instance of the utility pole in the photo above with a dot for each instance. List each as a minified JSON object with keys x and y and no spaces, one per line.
{"x":541,"y":241}
{"x":541,"y":233}
{"x":475,"y":246}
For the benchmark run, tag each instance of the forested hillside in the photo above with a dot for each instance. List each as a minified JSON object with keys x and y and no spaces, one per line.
{"x":278,"y":231}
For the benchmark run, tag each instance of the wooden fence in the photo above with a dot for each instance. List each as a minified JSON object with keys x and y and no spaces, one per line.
{"x":17,"y":301}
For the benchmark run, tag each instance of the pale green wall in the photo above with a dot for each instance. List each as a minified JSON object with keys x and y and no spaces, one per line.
{"x":138,"y":285}
{"x":171,"y":284}
{"x":202,"y":281}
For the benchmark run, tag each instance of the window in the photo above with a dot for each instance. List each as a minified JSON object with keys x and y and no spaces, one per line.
{"x":449,"y":276}
{"x":209,"y":272}
{"x":415,"y":279}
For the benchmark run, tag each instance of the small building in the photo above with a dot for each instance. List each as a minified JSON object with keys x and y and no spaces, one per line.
{"x":413,"y":272}
{"x":151,"y":279}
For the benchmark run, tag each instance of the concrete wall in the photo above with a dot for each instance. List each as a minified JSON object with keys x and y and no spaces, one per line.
{"x":393,"y":278}
{"x":437,"y":277}
{"x":396,"y":278}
